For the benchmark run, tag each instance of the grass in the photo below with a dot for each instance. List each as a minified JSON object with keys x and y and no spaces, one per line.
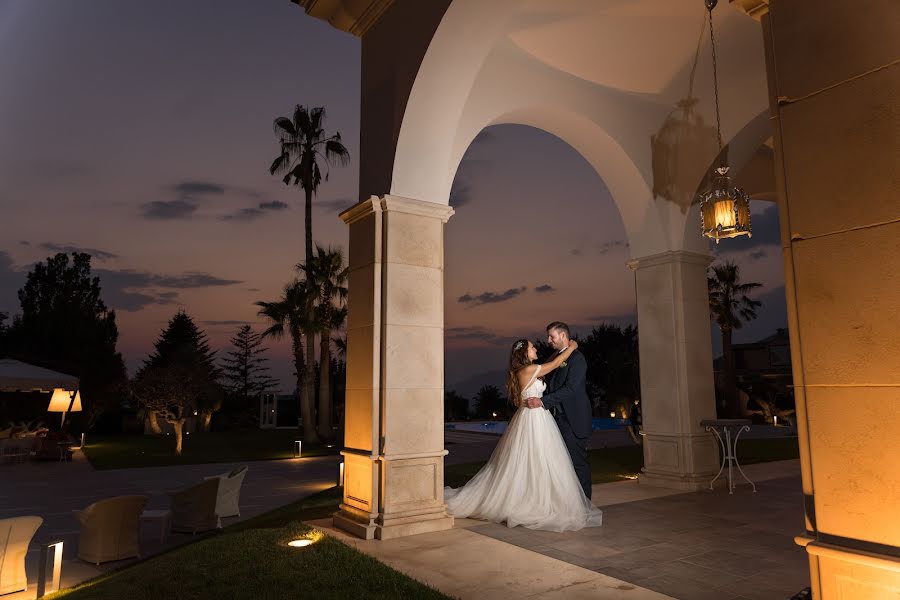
{"x":625,"y":462}
{"x":131,"y":451}
{"x":255,"y":563}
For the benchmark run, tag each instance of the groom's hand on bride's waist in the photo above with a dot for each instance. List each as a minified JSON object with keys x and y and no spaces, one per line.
{"x":534,"y":403}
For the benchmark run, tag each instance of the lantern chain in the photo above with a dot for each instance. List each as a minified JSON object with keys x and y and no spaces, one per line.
{"x":710,"y":4}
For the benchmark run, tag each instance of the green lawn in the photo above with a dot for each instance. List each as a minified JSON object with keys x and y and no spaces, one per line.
{"x":130,"y":451}
{"x":255,"y":563}
{"x":625,"y":462}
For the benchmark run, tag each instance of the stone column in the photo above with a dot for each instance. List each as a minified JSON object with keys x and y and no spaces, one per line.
{"x":394,"y":424}
{"x":834,"y":110}
{"x":677,"y":390}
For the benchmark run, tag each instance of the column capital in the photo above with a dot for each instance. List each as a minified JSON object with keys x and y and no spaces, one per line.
{"x":361,"y":210}
{"x":397,"y":204}
{"x":753,"y":8}
{"x":411,"y":206}
{"x":674,"y":256}
{"x":353,"y":16}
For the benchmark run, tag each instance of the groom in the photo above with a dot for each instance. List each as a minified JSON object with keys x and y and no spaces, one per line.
{"x":567,"y":399}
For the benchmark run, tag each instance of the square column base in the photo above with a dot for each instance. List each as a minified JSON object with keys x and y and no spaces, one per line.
{"x":684,"y":461}
{"x":688,"y":483}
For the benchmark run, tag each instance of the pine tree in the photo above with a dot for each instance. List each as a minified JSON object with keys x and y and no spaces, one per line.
{"x":245,"y":371}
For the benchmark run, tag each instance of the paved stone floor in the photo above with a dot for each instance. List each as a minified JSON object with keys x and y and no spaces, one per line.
{"x":52,"y":490}
{"x":697,"y":546}
{"x":654,"y":544}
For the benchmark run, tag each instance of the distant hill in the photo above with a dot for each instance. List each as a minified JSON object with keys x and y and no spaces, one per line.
{"x":467,"y":388}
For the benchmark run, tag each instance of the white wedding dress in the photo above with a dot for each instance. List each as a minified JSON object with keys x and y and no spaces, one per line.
{"x":529,"y":479}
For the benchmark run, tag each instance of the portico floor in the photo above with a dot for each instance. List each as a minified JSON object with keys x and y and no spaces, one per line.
{"x":654,"y":544}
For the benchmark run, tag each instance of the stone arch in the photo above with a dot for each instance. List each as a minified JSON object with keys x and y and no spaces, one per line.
{"x":624,"y":180}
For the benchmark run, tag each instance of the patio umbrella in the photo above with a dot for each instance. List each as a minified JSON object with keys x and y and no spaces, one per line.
{"x":17,"y":376}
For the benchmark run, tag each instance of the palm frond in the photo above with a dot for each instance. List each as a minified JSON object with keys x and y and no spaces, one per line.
{"x":284,"y":125}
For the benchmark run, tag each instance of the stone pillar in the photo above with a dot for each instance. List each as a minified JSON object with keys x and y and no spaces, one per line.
{"x":394,"y":424}
{"x":677,"y":390}
{"x":834,"y":84}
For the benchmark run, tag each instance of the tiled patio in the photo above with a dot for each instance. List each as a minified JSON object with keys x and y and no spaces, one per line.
{"x":689,"y":546}
{"x":704,"y":545}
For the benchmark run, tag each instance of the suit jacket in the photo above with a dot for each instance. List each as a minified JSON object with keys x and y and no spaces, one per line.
{"x":567,"y":391}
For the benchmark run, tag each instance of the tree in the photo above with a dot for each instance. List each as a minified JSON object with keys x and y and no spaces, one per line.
{"x":3,"y":334}
{"x":729,"y":307}
{"x":489,"y":402}
{"x":244,"y":369}
{"x":328,"y":275}
{"x":290,"y":316}
{"x":65,"y":326}
{"x":183,"y":347}
{"x":613,"y":364}
{"x":172,"y":392}
{"x":303,"y":142}
{"x":455,"y":406}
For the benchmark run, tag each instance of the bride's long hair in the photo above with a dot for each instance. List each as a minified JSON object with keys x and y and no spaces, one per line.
{"x":518,"y":358}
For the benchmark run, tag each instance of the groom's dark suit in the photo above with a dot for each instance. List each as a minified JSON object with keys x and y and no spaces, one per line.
{"x":567,"y":398}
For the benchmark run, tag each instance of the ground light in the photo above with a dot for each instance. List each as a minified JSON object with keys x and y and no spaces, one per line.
{"x":308,"y":540}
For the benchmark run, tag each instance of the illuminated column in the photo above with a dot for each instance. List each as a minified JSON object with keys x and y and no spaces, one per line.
{"x":834,"y":111}
{"x":394,"y":431}
{"x":677,"y":389}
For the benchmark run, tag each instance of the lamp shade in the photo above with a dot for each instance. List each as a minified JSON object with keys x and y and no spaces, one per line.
{"x":62,"y":399}
{"x":724,"y":209}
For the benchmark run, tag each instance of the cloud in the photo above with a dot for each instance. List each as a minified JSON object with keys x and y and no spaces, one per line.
{"x":460,"y":194}
{"x":545,"y":288}
{"x":251,"y":214}
{"x":131,"y":290}
{"x":198,"y":188}
{"x":334,"y":206}
{"x":273,"y":205}
{"x":598,"y":248}
{"x":484,"y":137}
{"x":67,"y":249}
{"x":606,"y":247}
{"x":478,"y":334}
{"x":758,"y":254}
{"x":168,"y":209}
{"x":244,"y":214}
{"x":491,"y":297}
{"x":188,"y":196}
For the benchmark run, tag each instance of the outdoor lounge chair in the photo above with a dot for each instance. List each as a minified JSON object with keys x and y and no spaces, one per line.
{"x":228,"y":499}
{"x":15,"y":535}
{"x":110,"y":529}
{"x":194,"y":508}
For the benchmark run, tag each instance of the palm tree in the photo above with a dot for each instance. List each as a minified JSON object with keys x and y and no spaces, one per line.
{"x":730,"y":306}
{"x":328,"y":275}
{"x":303,"y":142}
{"x":290,"y":315}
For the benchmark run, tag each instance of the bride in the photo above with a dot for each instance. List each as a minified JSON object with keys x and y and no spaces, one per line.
{"x":529,"y":479}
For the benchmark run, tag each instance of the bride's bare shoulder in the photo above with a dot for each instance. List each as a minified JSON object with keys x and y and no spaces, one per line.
{"x":527,"y":372}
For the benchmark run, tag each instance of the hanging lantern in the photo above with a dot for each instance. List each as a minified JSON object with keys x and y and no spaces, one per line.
{"x":724,"y":209}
